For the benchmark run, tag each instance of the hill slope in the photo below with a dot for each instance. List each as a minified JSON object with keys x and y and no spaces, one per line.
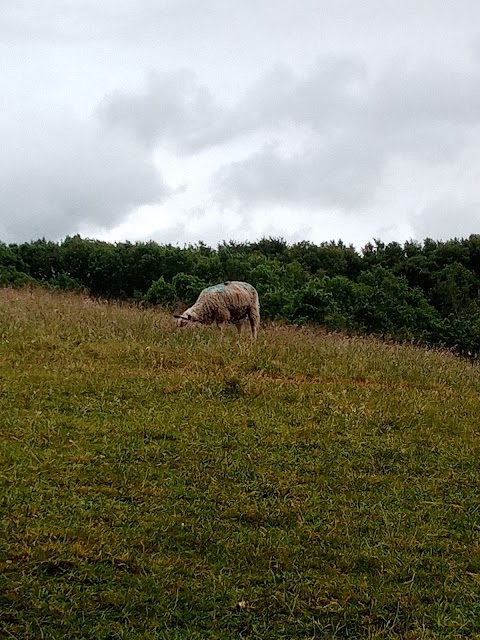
{"x":158,"y":483}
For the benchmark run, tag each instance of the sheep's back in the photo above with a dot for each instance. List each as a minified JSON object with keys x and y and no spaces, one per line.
{"x":222,"y":300}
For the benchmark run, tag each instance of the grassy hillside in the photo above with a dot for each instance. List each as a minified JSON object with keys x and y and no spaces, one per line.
{"x":158,"y":483}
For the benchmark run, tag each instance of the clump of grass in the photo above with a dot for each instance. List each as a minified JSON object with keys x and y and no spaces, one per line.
{"x":165,"y":484}
{"x":232,"y":387}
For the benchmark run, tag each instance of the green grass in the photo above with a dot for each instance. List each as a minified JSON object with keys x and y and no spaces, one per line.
{"x":160,"y":483}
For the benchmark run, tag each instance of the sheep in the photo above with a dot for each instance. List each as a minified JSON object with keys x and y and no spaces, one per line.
{"x":230,"y":301}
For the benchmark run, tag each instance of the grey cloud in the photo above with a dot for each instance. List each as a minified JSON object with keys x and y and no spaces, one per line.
{"x":336,"y":175}
{"x":357,"y":126}
{"x":428,"y":112}
{"x":177,"y":111}
{"x":447,"y":218}
{"x":59,"y":176}
{"x":426,"y":93}
{"x":349,"y":126}
{"x":324,"y":96}
{"x":173,"y":110}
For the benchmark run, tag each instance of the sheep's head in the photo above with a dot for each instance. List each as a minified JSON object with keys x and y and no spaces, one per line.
{"x":185,"y":319}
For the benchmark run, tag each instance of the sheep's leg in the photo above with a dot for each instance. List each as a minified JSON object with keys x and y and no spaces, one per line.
{"x":253,"y":324}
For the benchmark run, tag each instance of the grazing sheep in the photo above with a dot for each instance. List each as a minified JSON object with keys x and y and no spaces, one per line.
{"x":226,"y":302}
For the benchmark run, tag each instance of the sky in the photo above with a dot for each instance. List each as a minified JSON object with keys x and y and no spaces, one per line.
{"x":182,"y":121}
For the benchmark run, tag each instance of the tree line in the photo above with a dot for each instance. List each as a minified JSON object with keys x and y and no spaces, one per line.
{"x":427,"y":292}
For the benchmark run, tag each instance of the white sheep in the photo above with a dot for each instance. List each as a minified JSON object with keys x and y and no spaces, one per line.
{"x":227,"y":302}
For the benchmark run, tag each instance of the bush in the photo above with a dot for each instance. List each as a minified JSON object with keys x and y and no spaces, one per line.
{"x":385,"y":304}
{"x":66,"y":283}
{"x":315,"y":303}
{"x":162,"y":293}
{"x":277,"y":305}
{"x":187,"y":287}
{"x":10,"y":277}
{"x":462,"y":334}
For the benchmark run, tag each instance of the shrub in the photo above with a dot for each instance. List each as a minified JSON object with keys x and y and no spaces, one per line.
{"x":161,"y":292}
{"x":10,"y":277}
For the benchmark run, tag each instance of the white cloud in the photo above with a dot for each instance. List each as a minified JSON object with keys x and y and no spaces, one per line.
{"x":277,"y":117}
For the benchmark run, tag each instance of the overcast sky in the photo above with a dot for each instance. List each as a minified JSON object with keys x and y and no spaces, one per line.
{"x":188,"y":120}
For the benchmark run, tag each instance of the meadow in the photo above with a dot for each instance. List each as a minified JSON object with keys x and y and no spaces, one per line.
{"x":165,"y":483}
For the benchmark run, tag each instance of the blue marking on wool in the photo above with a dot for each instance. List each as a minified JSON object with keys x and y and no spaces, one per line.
{"x":216,"y":287}
{"x":222,"y":286}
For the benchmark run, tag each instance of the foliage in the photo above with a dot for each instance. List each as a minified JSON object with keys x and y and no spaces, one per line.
{"x":9,"y":276}
{"x":65,"y":282}
{"x":187,"y":287}
{"x":427,"y":292}
{"x":161,"y":292}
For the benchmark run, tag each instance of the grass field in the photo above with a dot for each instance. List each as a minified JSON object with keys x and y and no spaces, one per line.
{"x":159,"y":483}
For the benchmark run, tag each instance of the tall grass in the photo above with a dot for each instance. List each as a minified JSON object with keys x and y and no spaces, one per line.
{"x":159,"y":483}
